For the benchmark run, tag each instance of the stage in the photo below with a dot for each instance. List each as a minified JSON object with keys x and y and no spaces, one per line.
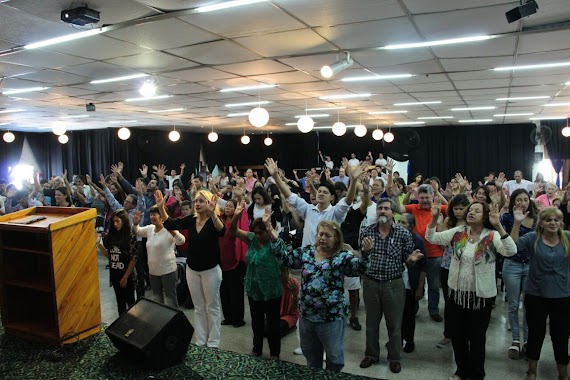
{"x":97,"y":358}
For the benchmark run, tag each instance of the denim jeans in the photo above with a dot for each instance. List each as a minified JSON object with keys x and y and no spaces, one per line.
{"x":515,"y":275}
{"x":433,"y":265}
{"x":319,"y":336}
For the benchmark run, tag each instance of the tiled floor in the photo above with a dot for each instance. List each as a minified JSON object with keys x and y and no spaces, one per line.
{"x":426,"y":362}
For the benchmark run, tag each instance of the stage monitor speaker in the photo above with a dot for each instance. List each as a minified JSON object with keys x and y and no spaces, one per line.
{"x":152,"y":333}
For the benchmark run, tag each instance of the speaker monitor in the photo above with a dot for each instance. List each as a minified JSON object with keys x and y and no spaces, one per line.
{"x":152,"y":333}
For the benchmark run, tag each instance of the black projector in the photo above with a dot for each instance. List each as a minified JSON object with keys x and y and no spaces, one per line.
{"x":524,"y":10}
{"x":80,"y":16}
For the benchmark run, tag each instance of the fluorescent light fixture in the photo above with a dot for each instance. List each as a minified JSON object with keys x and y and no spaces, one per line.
{"x":313,"y":115}
{"x":291,"y":123}
{"x":438,"y":42}
{"x":417,"y":103}
{"x":4,"y":123}
{"x":325,"y":108}
{"x":346,"y":96}
{"x":524,"y":98}
{"x":22,"y":90}
{"x":74,"y":117}
{"x":147,"y":98}
{"x":225,"y":5}
{"x":557,"y":104}
{"x":119,"y":79}
{"x":410,"y":123}
{"x":12,"y":110}
{"x":567,"y":84}
{"x":246,"y":88}
{"x":123,"y":121}
{"x":531,"y":67}
{"x":549,"y":118}
{"x":386,"y":112}
{"x":476,"y":121}
{"x":375,"y":77}
{"x":168,"y":110}
{"x":514,"y":114}
{"x":69,"y":37}
{"x":473,"y":108}
{"x":434,"y":117}
{"x":238,"y":114}
{"x":258,"y":103}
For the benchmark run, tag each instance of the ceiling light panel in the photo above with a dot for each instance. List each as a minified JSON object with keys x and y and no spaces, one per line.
{"x":473,"y":108}
{"x":523,"y":98}
{"x":438,"y":42}
{"x":261,"y":102}
{"x":417,"y":103}
{"x":345,"y":96}
{"x":248,"y":88}
{"x":148,"y":98}
{"x":119,"y":79}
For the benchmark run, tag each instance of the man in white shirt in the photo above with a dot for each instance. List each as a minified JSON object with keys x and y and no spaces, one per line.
{"x":518,"y":183}
{"x":353,"y":160}
{"x":380,"y":161}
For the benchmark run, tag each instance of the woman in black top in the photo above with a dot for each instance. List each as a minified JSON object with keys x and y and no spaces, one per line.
{"x":203,"y":272}
{"x":120,"y":247}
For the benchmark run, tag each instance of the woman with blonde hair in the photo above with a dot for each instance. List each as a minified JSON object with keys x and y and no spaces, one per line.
{"x":546,"y":199}
{"x":203,"y":272}
{"x":547,"y":288}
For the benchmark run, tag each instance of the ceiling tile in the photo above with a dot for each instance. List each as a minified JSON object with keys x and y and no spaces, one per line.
{"x":98,"y":47}
{"x":43,"y":59}
{"x":260,"y":67}
{"x":215,"y":53}
{"x":295,"y":42}
{"x":152,"y":61}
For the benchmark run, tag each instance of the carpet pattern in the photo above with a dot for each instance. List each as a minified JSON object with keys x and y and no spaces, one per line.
{"x":97,"y":358}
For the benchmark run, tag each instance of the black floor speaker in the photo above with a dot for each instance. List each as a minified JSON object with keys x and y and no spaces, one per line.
{"x":152,"y":334}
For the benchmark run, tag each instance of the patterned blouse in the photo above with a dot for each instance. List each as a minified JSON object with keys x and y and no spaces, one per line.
{"x":322,"y":282}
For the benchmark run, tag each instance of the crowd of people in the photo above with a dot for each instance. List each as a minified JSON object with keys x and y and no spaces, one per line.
{"x":358,"y":224}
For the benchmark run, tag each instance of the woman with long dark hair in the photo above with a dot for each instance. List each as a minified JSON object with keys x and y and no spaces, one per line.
{"x":515,"y":268}
{"x":120,"y":247}
{"x":261,"y":200}
{"x":62,"y":197}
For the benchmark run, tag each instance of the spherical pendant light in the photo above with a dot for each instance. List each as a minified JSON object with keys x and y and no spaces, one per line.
{"x":213,"y":136}
{"x":9,"y":137}
{"x":268,"y":141}
{"x":124,"y":133}
{"x":63,"y":139}
{"x":258,"y":117}
{"x":245,"y":139}
{"x":305,"y":124}
{"x":377,"y":134}
{"x":360,"y":130}
{"x":389,"y":137}
{"x":566,"y":131}
{"x":174,"y":136}
{"x":58,"y":128}
{"x":339,"y":128}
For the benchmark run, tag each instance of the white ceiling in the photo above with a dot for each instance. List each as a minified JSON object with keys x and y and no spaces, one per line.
{"x":285,"y":42}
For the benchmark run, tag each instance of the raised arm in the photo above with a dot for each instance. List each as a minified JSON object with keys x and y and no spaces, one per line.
{"x":273,"y":170}
{"x":355,"y":173}
{"x":234,"y":230}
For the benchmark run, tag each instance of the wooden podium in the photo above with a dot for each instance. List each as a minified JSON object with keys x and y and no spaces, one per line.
{"x":49,"y":283}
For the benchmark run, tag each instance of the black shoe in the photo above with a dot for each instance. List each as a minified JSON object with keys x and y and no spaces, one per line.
{"x":239,"y":324}
{"x":436,"y":317}
{"x":355,"y":324}
{"x":225,"y":322}
{"x":409,"y":347}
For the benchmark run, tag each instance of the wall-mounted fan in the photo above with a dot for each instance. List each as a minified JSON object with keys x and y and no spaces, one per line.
{"x":540,"y":135}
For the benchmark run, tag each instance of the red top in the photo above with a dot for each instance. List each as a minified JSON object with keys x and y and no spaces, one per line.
{"x":289,"y":310}
{"x":423,"y":218}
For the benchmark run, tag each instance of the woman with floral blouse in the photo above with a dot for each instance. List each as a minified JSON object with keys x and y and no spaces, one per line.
{"x":322,"y":304}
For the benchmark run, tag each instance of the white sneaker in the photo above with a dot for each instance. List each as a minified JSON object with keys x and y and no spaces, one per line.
{"x":298,"y":351}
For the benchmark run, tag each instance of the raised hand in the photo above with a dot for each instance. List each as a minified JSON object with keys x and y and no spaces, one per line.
{"x":102,"y":181}
{"x":239,"y":208}
{"x":468,"y":185}
{"x":182,"y":167}
{"x":367,"y":243}
{"x":356,"y":171}
{"x":266,"y":218}
{"x":64,"y":174}
{"x":462,"y":181}
{"x":120,"y":165}
{"x":158,"y":198}
{"x":139,"y":187}
{"x":347,"y":246}
{"x":271,"y":166}
{"x":500,"y":180}
{"x":88,"y":179}
{"x":436,"y":207}
{"x":520,"y":215}
{"x":211,"y":206}
{"x":389,"y":164}
{"x":136,"y":217}
{"x":494,"y":216}
{"x":144,"y":170}
{"x":160,"y":171}
{"x":344,"y":163}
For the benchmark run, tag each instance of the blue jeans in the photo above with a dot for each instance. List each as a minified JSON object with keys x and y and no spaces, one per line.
{"x":433,"y":265}
{"x":515,"y":275}
{"x":318,"y":336}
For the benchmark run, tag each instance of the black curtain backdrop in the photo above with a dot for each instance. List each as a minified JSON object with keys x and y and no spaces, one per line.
{"x":433,"y":151}
{"x":558,"y":146}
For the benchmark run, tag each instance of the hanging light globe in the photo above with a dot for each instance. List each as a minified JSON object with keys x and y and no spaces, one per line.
{"x":258,"y":117}
{"x":389,"y":137}
{"x":339,"y":128}
{"x":9,"y":137}
{"x":213,"y":136}
{"x":566,"y":131}
{"x":268,"y":141}
{"x":305,"y":124}
{"x":377,"y":134}
{"x":124,"y":133}
{"x":63,"y":139}
{"x":58,"y":128}
{"x":360,"y":130}
{"x":174,"y":136}
{"x":245,"y":139}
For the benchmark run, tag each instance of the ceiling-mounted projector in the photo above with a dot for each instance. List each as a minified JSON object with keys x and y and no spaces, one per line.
{"x":80,"y":16}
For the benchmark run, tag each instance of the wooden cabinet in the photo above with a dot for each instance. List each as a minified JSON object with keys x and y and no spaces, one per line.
{"x":49,"y":284}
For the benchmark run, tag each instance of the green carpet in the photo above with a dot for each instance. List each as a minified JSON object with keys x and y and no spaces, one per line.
{"x":97,"y":358}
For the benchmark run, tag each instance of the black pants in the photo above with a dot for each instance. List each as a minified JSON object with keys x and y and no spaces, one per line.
{"x":261,"y":310}
{"x":125,"y":296}
{"x":409,"y":318}
{"x":537,"y":310}
{"x":468,"y":329}
{"x":139,"y":267}
{"x":231,"y":294}
{"x":284,"y":328}
{"x":142,"y":268}
{"x":443,"y":276}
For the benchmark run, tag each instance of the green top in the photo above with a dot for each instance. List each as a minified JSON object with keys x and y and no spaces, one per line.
{"x":263,"y":275}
